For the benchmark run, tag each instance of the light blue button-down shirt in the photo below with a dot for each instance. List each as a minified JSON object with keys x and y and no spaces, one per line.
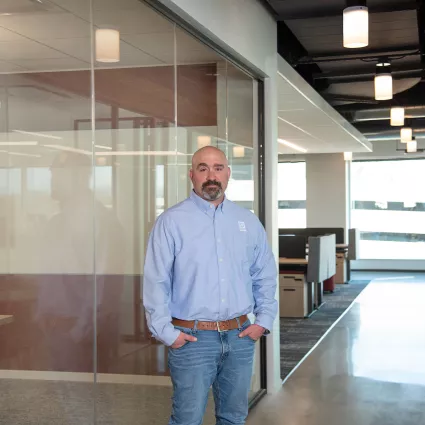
{"x":207,"y":263}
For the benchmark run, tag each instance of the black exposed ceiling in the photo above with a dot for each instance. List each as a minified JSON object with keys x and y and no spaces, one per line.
{"x":310,"y":37}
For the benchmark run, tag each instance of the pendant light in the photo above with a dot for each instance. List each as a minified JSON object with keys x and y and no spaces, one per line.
{"x":238,"y":151}
{"x":412,"y":146}
{"x":397,"y":116}
{"x":356,"y":24}
{"x":107,"y":45}
{"x":203,"y":141}
{"x":383,"y":81}
{"x":406,"y":134}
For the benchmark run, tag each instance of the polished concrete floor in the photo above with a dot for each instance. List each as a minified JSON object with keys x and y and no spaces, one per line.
{"x":369,"y":369}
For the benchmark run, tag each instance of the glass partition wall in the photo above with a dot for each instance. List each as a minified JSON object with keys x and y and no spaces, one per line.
{"x":102,"y":104}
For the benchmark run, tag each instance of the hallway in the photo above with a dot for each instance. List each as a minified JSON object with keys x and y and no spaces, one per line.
{"x":368,"y":370}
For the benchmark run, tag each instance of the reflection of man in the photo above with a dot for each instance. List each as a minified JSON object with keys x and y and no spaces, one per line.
{"x":208,"y":265}
{"x":83,"y":255}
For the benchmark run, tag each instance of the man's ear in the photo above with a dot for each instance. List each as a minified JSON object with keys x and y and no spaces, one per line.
{"x":191,"y":174}
{"x":229,"y":172}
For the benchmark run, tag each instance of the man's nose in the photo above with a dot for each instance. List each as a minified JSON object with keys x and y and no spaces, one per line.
{"x":211,"y":175}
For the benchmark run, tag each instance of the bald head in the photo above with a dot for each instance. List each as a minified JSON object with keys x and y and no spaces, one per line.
{"x":208,"y":150}
{"x":210,"y":174}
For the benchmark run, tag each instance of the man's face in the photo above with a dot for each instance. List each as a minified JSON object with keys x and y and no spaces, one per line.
{"x":210,"y":174}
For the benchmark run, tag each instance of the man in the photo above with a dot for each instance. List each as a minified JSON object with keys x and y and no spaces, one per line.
{"x":207,"y":266}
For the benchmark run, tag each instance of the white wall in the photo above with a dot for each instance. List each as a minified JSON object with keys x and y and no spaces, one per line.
{"x":327,"y":190}
{"x":401,"y":265}
{"x":245,"y":29}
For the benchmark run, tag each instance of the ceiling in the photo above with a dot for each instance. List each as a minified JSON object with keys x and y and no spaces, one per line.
{"x":310,"y":35}
{"x":55,"y":35}
{"x":308,"y":122}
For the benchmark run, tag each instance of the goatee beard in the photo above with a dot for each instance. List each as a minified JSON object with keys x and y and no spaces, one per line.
{"x":212,"y":193}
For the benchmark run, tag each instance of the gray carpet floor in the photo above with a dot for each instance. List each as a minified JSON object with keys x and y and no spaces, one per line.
{"x":298,"y":336}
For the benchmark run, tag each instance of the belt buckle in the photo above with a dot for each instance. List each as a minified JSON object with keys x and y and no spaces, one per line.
{"x":219,"y":329}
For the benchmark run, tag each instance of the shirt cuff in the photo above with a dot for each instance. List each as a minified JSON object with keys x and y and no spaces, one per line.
{"x":265,"y":321}
{"x":169,"y":335}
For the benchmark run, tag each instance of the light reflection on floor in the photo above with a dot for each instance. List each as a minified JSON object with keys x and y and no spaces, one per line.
{"x":370,"y":368}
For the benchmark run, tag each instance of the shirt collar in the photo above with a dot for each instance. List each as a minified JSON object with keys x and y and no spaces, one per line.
{"x":204,"y":205}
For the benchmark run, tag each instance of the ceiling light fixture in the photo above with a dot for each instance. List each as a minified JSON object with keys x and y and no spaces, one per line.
{"x":397,"y":116}
{"x":29,"y":143}
{"x":107,"y":45}
{"x":412,"y":146}
{"x":348,"y":156}
{"x":406,"y":134}
{"x":356,"y":24}
{"x":238,"y":151}
{"x":203,"y":141}
{"x":21,"y":154}
{"x":33,"y":133}
{"x":383,"y":81}
{"x":292,"y":145}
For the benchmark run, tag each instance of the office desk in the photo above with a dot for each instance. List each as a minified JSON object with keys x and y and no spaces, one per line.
{"x":294,"y":261}
{"x":302,"y":263}
{"x":5,"y":320}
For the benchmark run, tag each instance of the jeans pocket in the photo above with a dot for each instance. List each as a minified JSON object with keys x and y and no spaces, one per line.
{"x":187,"y":331}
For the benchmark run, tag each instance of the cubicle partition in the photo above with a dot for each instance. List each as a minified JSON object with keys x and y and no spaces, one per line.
{"x":301,"y":279}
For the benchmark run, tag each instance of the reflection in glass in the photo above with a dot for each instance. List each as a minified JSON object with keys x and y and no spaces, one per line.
{"x":84,"y":172}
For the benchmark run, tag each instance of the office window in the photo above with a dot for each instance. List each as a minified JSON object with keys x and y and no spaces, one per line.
{"x":292,"y":197}
{"x":388,"y":207}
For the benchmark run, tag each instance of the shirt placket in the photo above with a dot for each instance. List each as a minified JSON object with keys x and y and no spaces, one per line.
{"x":221,"y":263}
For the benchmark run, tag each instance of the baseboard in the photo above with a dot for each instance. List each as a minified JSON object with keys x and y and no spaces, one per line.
{"x":101,"y":378}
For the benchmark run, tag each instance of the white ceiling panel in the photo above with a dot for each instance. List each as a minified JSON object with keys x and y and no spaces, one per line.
{"x":76,"y":47}
{"x":10,"y":67}
{"x":47,"y":26}
{"x":130,"y":56}
{"x":66,"y":63}
{"x":27,"y":49}
{"x":81,"y":8}
{"x":6,"y":35}
{"x":133,"y":21}
{"x":309,"y":122}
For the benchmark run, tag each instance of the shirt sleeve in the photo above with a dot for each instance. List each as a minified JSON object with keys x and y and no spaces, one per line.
{"x":264,"y":278}
{"x":157,"y":281}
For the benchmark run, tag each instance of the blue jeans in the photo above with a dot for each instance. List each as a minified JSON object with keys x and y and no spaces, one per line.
{"x":218,"y":359}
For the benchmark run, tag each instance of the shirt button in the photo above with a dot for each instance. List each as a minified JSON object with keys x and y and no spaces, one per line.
{"x":223,"y":300}
{"x":223,"y":280}
{"x":211,"y":206}
{"x":221,"y":260}
{"x":218,"y":240}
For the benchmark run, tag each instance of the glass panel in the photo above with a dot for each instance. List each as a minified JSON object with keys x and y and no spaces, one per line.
{"x":46,"y":226}
{"x":389,"y":209}
{"x":135,"y":143}
{"x":78,"y":203}
{"x":292,"y":188}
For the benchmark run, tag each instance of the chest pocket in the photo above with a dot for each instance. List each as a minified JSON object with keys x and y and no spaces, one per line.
{"x":243,"y":247}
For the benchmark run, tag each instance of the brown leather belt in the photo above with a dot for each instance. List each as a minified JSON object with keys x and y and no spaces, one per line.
{"x":225,"y":325}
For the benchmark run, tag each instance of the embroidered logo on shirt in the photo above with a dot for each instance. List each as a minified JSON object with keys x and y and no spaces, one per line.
{"x":242,"y":226}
